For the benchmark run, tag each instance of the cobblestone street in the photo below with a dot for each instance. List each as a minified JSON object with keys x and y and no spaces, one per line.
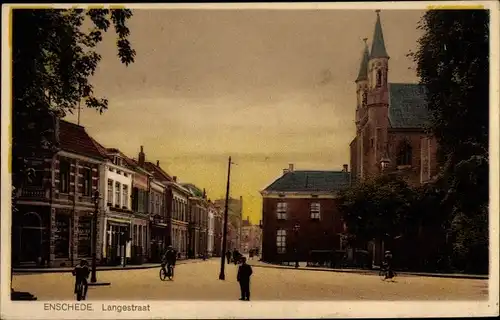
{"x":199,"y":281}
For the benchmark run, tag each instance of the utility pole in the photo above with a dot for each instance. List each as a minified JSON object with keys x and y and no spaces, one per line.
{"x":93,"y":277}
{"x":222,"y":275}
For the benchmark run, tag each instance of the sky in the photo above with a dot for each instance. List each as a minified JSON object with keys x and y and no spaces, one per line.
{"x":267,"y":87}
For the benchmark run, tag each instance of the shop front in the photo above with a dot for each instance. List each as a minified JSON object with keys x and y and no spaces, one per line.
{"x":159,"y":243}
{"x":116,"y":245}
{"x":31,"y":236}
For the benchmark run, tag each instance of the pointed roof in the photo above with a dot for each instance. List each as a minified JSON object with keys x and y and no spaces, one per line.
{"x":363,"y":67}
{"x":378,"y":45}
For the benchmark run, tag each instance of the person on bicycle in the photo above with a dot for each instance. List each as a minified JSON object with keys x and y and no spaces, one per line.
{"x":388,"y":265}
{"x":81,"y":274}
{"x":169,"y":259}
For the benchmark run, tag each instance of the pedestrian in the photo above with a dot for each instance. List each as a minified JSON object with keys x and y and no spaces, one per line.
{"x":228,"y":256}
{"x":235,"y":256}
{"x":250,"y":254}
{"x":243,"y":277}
{"x":81,"y":274}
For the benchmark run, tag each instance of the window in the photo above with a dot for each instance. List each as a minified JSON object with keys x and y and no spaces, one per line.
{"x":125,"y":196}
{"x":64,"y":168}
{"x":117,"y":194}
{"x":117,"y":161}
{"x":151,"y":202}
{"x":281,"y":209}
{"x":135,"y":235}
{"x":365,"y":98}
{"x":87,"y":182}
{"x":315,"y":210}
{"x":110,"y":191}
{"x":372,"y":142}
{"x":404,"y":154}
{"x":379,"y":78}
{"x":281,"y":240}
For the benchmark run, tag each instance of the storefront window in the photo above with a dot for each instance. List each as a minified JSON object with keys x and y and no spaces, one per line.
{"x":84,"y":236}
{"x":61,"y":236}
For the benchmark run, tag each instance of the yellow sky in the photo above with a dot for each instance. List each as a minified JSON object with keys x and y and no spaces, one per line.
{"x":266,"y":87}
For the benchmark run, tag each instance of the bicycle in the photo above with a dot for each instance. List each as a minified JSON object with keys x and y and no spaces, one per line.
{"x":81,"y":291}
{"x":384,"y":274}
{"x":166,"y":273}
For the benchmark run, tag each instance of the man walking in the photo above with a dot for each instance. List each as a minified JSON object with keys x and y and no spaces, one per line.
{"x":228,"y":256}
{"x":81,"y":273}
{"x":243,"y":277}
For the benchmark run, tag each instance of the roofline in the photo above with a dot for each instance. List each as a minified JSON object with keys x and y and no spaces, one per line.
{"x":70,"y":154}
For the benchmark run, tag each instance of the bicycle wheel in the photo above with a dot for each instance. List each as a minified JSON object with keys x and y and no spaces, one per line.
{"x":163,"y":274}
{"x":79,"y":292}
{"x":382,"y":274}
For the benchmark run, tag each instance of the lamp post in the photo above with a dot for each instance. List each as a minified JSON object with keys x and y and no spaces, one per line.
{"x":222,"y":275}
{"x":96,"y":198}
{"x":296,"y":229}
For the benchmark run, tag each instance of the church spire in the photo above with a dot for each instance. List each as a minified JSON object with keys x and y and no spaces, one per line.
{"x":378,"y":45}
{"x":363,"y":67}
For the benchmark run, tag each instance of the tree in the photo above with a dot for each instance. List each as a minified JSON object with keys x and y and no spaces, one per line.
{"x":53,"y":58}
{"x":376,"y":208}
{"x":453,"y":64}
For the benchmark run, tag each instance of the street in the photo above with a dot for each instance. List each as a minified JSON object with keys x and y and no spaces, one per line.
{"x":199,"y":281}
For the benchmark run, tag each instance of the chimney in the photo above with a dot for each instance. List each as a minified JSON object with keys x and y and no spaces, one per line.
{"x":204,"y":193}
{"x":290,"y":167}
{"x":346,"y":168}
{"x":157,"y":163}
{"x":142,"y":157}
{"x":175,"y":178}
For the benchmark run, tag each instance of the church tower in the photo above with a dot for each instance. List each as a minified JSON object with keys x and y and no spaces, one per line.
{"x":378,"y":97}
{"x":378,"y":68}
{"x":362,"y":86}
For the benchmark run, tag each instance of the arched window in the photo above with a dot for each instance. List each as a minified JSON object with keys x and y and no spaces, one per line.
{"x":365,"y":98}
{"x":404,"y":154}
{"x":379,"y":78}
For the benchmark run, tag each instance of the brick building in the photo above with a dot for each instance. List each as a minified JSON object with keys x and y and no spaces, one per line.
{"x":198,"y":221}
{"x":390,"y":121}
{"x":178,"y":208}
{"x":218,"y":229}
{"x":52,"y":222}
{"x":299,"y":214}
{"x":250,"y":236}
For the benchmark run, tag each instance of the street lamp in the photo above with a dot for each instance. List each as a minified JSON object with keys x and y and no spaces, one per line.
{"x":96,"y":197}
{"x":296,"y":229}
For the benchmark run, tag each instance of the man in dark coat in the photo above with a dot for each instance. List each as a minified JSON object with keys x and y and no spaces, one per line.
{"x":81,"y":274}
{"x":243,"y":277}
{"x":228,"y":256}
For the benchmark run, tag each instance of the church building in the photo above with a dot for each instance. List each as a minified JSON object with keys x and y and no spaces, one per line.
{"x":390,"y":121}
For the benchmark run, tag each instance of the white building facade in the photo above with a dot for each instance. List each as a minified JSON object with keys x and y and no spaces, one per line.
{"x":116,"y":186}
{"x":211,"y":230}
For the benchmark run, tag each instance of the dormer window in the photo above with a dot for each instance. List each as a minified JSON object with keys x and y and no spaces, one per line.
{"x":117,"y":161}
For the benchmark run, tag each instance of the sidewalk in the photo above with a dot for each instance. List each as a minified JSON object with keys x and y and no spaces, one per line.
{"x":260,"y":264}
{"x":20,"y":271}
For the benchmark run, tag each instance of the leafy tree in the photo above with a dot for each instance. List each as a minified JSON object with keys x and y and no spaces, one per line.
{"x":453,"y":64}
{"x":53,"y":58}
{"x":376,"y":208}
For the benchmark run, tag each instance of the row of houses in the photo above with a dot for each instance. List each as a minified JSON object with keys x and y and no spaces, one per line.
{"x":141,"y":209}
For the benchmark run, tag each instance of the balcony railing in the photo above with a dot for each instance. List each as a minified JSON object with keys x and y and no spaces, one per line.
{"x":39,"y":193}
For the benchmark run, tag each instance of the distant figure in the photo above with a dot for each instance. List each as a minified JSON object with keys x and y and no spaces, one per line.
{"x":388,"y":265}
{"x":243,"y":277}
{"x":236,"y":256}
{"x":250,"y":254}
{"x":228,"y":256}
{"x":81,"y":274}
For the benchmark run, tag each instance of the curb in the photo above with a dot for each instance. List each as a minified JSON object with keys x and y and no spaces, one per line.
{"x":433,"y":275}
{"x":18,"y":271}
